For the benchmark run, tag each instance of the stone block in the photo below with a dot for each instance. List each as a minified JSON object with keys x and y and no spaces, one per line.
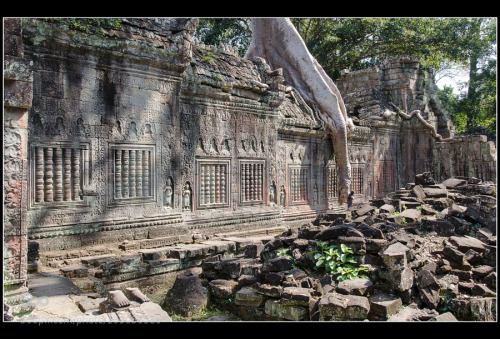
{"x":279,"y":309}
{"x":386,"y":208}
{"x":440,"y":226}
{"x":394,"y":256}
{"x":445,"y":317}
{"x":411,"y":215}
{"x":77,"y":271}
{"x":277,"y":265}
{"x":466,"y":242}
{"x":383,"y":305}
{"x":273,"y":291}
{"x":222,"y":289}
{"x":247,"y":296}
{"x":356,"y":286}
{"x":334,"y":306}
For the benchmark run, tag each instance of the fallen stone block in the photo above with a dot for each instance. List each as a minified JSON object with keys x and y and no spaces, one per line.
{"x":282,"y":310}
{"x":247,"y":296}
{"x":76,"y":271}
{"x":357,"y":286}
{"x":466,"y":242}
{"x":383,"y":305}
{"x":445,"y":317}
{"x":394,"y":256}
{"x":222,"y":289}
{"x":334,"y":306}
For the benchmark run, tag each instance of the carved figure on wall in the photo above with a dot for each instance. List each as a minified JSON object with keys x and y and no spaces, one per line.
{"x":186,"y":197}
{"x":277,"y":41}
{"x":169,"y":193}
{"x":272,"y":194}
{"x":282,"y":196}
{"x":59,"y":128}
{"x":315,"y":194}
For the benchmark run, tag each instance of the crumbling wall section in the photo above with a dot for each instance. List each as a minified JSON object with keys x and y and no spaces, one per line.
{"x":18,"y":94}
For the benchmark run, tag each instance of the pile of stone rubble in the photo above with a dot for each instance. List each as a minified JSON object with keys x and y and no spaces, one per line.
{"x":429,"y":250}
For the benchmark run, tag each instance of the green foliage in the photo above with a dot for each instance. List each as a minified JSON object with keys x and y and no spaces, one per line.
{"x":337,"y":260}
{"x":231,"y":31}
{"x":89,"y":25}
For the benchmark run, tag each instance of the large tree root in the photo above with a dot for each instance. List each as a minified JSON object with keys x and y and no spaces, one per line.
{"x":277,"y":41}
{"x":418,"y":114}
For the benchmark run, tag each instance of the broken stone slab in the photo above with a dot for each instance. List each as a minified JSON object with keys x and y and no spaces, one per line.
{"x":363,"y":210}
{"x":413,"y":313}
{"x":356,"y":286}
{"x":76,"y":271}
{"x":464,"y":243}
{"x":386,"y":208}
{"x":277,"y":265}
{"x":298,"y":295}
{"x":453,"y":182}
{"x":434,"y":193}
{"x":411,"y":215}
{"x":370,"y":231}
{"x":428,"y":288}
{"x":418,"y":192}
{"x":334,"y":232}
{"x":442,"y":227}
{"x":424,"y":179}
{"x":394,"y":256}
{"x":482,"y":271}
{"x":454,"y":255}
{"x":273,"y":291}
{"x":491,"y":280}
{"x":282,"y":310}
{"x":222,"y":289}
{"x":89,"y":304}
{"x":383,"y":305}
{"x":247,"y":296}
{"x":335,"y":306}
{"x":445,"y":317}
{"x":399,"y":280}
{"x":482,"y":291}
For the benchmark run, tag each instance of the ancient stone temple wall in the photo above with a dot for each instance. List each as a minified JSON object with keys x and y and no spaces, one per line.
{"x":144,"y":135}
{"x":18,"y":82}
{"x":141,"y":134}
{"x":404,"y":148}
{"x":102,"y":134}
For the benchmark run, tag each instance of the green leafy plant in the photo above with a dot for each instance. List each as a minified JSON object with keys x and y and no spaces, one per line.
{"x":208,"y":55}
{"x":337,"y":261}
{"x":284,"y":252}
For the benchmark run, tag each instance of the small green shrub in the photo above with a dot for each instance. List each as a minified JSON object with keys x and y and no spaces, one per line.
{"x":336,"y":260}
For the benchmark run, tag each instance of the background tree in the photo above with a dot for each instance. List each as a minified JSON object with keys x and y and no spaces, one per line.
{"x":231,"y":31}
{"x":358,"y":43}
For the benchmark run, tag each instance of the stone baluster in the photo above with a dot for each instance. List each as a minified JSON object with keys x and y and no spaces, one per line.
{"x":212,"y":184}
{"x":48,"y":175}
{"x":58,"y":183}
{"x":75,"y":188}
{"x":223,"y":184}
{"x":243,"y":182}
{"x":259,"y":181}
{"x":217,"y":184}
{"x":132,"y":165}
{"x":67,"y":174}
{"x":247,"y":182}
{"x":118,"y":173}
{"x":125,"y":174}
{"x":39,"y":185}
{"x":202,"y":185}
{"x":145,"y":173}
{"x":138,"y":173}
